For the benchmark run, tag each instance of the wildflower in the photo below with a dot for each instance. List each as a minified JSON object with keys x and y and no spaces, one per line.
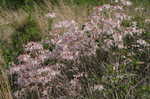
{"x":126,"y":3}
{"x":142,"y":42}
{"x":50,"y":15}
{"x":98,"y":87}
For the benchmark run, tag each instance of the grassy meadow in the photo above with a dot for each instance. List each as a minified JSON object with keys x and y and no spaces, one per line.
{"x":24,"y":21}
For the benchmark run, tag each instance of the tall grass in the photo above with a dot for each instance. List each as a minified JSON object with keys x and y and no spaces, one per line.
{"x":15,"y":4}
{"x":16,"y":29}
{"x":16,"y":26}
{"x":5,"y":92}
{"x":27,"y":32}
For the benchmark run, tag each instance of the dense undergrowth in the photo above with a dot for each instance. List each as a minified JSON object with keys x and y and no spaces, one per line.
{"x":23,"y":34}
{"x":21,"y":3}
{"x":129,"y":80}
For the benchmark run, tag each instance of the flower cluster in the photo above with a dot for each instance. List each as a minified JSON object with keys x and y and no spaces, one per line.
{"x":35,"y":67}
{"x":106,"y":22}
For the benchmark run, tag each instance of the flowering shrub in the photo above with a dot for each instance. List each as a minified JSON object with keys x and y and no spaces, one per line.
{"x":106,"y":57}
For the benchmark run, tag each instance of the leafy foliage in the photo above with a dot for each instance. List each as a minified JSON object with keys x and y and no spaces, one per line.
{"x":87,"y":2}
{"x":22,"y":3}
{"x":14,"y":4}
{"x":24,"y":34}
{"x":124,"y":73}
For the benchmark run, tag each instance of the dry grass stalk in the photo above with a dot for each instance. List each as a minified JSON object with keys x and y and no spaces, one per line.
{"x":5,"y":92}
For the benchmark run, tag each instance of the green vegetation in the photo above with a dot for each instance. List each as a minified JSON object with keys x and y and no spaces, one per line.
{"x":88,"y":2}
{"x":26,"y":33}
{"x":26,"y":3}
{"x":5,"y":92}
{"x":126,"y":23}
{"x":23,"y":34}
{"x":14,"y":4}
{"x":141,"y":2}
{"x":130,"y":81}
